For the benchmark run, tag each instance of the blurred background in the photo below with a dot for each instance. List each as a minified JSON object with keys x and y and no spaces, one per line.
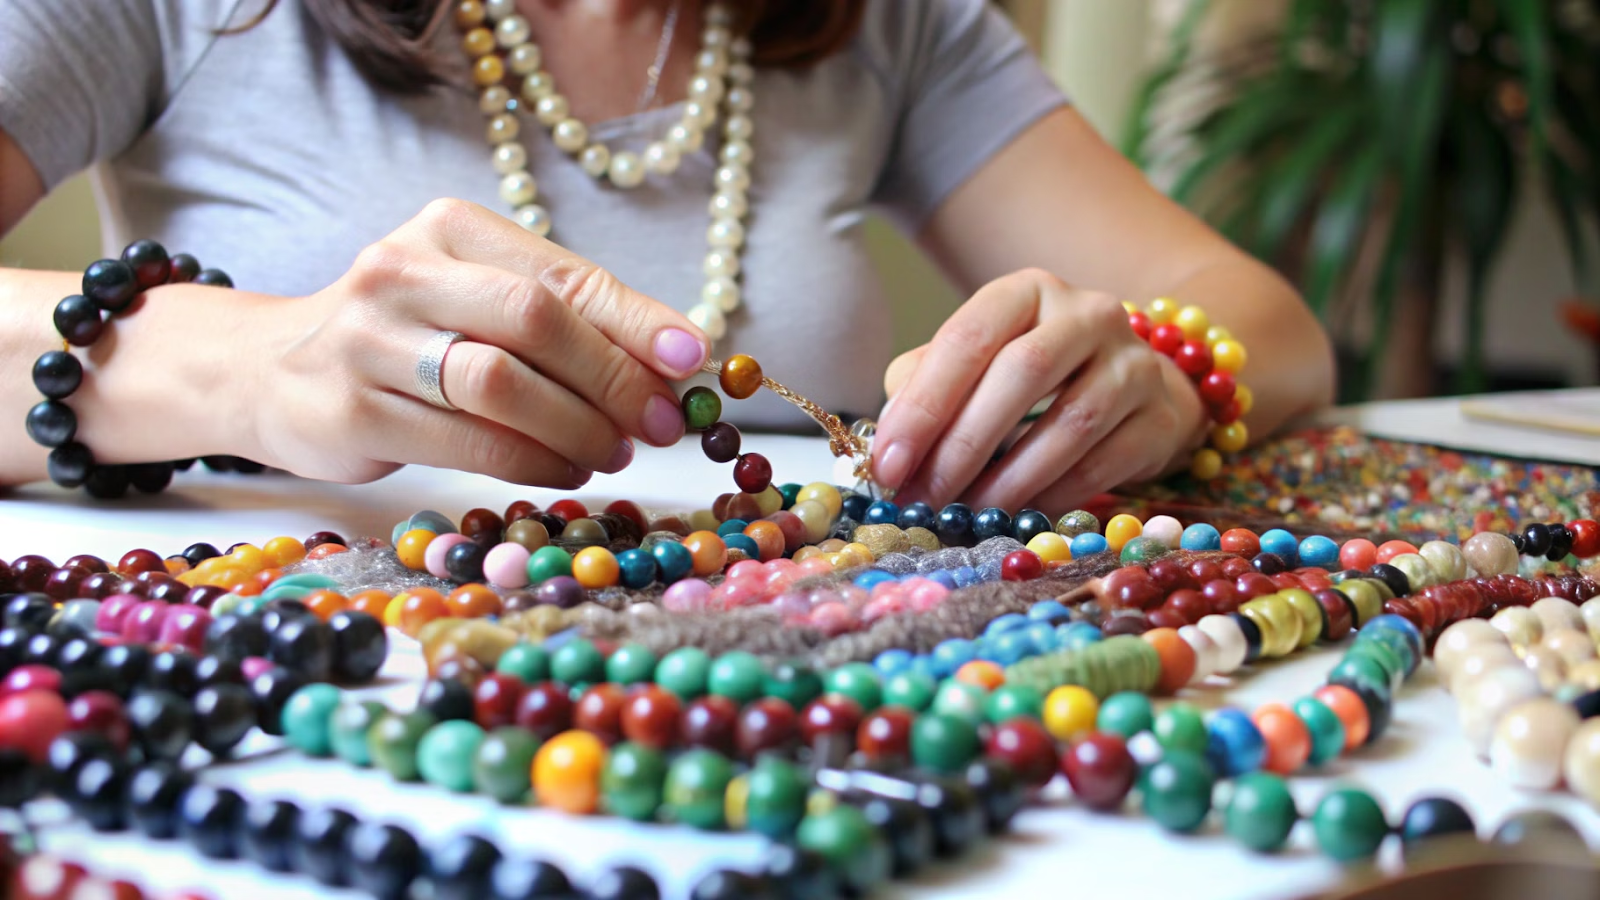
{"x":1427,"y":171}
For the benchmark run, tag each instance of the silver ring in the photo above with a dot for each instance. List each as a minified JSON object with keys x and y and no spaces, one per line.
{"x":430,"y":368}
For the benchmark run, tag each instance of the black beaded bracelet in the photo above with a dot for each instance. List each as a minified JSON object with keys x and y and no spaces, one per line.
{"x":109,"y":287}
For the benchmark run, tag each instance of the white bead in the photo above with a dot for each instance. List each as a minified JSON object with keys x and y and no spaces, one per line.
{"x":706,"y":90}
{"x":741,"y":99}
{"x":1232,"y":648}
{"x":662,"y":158}
{"x":716,"y":36}
{"x":1482,"y":702}
{"x":510,"y":157}
{"x":719,"y":15}
{"x":741,"y":46}
{"x":551,"y":109}
{"x":1205,"y":652}
{"x":502,"y":128}
{"x":537,"y":86}
{"x":733,"y":178}
{"x":723,"y":293}
{"x":737,"y":153}
{"x":698,"y":114}
{"x":524,"y":59}
{"x":534,"y":218}
{"x":741,"y":73}
{"x":493,"y":99}
{"x":595,"y":159}
{"x":709,"y":319}
{"x":685,"y":138}
{"x":740,"y":128}
{"x":721,"y":264}
{"x":511,"y":31}
{"x":725,"y":233}
{"x":518,"y":189}
{"x":570,"y":135}
{"x":500,"y":9}
{"x":711,"y":63}
{"x":1557,"y":613}
{"x":626,"y":169}
{"x":1530,"y":741}
{"x":729,"y":203}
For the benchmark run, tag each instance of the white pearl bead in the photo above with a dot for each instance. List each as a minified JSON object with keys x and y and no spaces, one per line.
{"x":511,"y":31}
{"x":719,"y":16}
{"x":510,"y":157}
{"x":551,"y":109}
{"x":733,"y":178}
{"x":595,"y":159}
{"x":721,"y":264}
{"x":502,"y":128}
{"x":709,"y":320}
{"x":723,"y":293}
{"x":525,"y":59}
{"x":741,"y":46}
{"x":741,"y":73}
{"x":729,"y":203}
{"x":537,"y":86}
{"x":685,"y":138}
{"x":626,"y":170}
{"x":698,"y":114}
{"x":493,"y":99}
{"x":662,"y":158}
{"x":518,"y":188}
{"x":740,"y":128}
{"x":570,"y":135}
{"x":534,"y":218}
{"x":711,"y":63}
{"x":737,"y":153}
{"x":500,"y":9}
{"x":716,"y":36}
{"x":725,"y":234}
{"x":706,"y":90}
{"x":741,"y":99}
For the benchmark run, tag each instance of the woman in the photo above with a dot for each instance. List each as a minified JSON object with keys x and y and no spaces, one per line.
{"x":294,"y":143}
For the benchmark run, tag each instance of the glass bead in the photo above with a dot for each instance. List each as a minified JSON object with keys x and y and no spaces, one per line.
{"x":1287,"y":738}
{"x":632,"y":782}
{"x":1261,"y":812}
{"x":1349,"y":825}
{"x":1346,"y":704}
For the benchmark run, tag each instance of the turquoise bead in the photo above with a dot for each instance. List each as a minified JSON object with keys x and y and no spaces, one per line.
{"x":431,"y":520}
{"x":1361,"y":668}
{"x":794,"y":683}
{"x":962,"y":700}
{"x":1177,"y":791}
{"x":307,"y":716}
{"x":685,"y":672}
{"x":347,"y":730}
{"x":857,"y":680}
{"x":577,"y":662}
{"x":250,"y":606}
{"x":1326,"y":728}
{"x":546,"y":563}
{"x":445,"y":754}
{"x":1349,"y":825}
{"x":631,"y":664}
{"x":529,"y":663}
{"x":737,"y":675}
{"x":943,"y":743}
{"x":913,"y":690}
{"x":1126,"y":714}
{"x":1261,"y":813}
{"x":286,"y":592}
{"x":314,"y":580}
{"x":1008,"y":701}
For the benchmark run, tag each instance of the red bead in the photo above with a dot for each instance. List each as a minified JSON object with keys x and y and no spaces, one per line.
{"x":631,"y":511}
{"x":31,"y":677}
{"x":752,"y":473}
{"x":1242,"y":541}
{"x":88,"y":562}
{"x":1286,"y":580}
{"x":568,"y":509}
{"x":1337,"y":612}
{"x":1221,"y":596}
{"x":1140,"y":323}
{"x":1227,"y":413}
{"x":42,"y":877}
{"x":1236,"y":566}
{"x":482,"y":522}
{"x":885,"y":734}
{"x":1170,"y":575}
{"x":545,"y":710}
{"x":1166,"y":339}
{"x":1205,"y":570}
{"x":767,"y":724}
{"x":651,"y":716}
{"x":29,"y":721}
{"x":1165,"y":618}
{"x":1217,"y":388}
{"x":1188,"y":604}
{"x":32,"y":571}
{"x":63,"y":583}
{"x":1194,"y":358}
{"x":101,"y":585}
{"x":1024,"y":745}
{"x":711,"y":722}
{"x":599,"y":712}
{"x":518,"y":510}
{"x":1021,"y":565}
{"x":100,"y":711}
{"x":794,"y":530}
{"x":1585,"y":538}
{"x":1251,"y":585}
{"x":1390,"y":549}
{"x":833,"y":716}
{"x":1100,"y":770}
{"x":495,"y":700}
{"x":202,"y":595}
{"x":323,"y":537}
{"x":1129,"y":587}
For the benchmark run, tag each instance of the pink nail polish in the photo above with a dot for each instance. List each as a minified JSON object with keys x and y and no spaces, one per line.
{"x":620,"y":457}
{"x":893,"y":465}
{"x":663,"y":421}
{"x":679,"y":351}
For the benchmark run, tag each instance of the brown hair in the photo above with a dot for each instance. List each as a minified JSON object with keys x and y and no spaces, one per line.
{"x":391,"y":41}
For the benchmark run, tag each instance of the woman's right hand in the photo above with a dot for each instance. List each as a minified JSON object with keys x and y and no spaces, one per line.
{"x":561,"y":364}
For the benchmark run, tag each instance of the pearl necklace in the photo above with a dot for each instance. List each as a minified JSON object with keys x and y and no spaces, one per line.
{"x":722,"y":78}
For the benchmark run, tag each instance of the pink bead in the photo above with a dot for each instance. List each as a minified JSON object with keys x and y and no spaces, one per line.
{"x":851,"y":596}
{"x":143,"y":624}
{"x":186,"y":625}
{"x":878,"y":607}
{"x":887,"y":589}
{"x":745,"y":570}
{"x":505,"y":564}
{"x":687,"y":595}
{"x":833,"y":619}
{"x":113,"y":610}
{"x":927,"y":595}
{"x":1358,"y":553}
{"x":792,"y":606}
{"x":732,"y":594}
{"x":782,"y":581}
{"x":1165,"y":529}
{"x":433,"y":557}
{"x":816,"y":565}
{"x":253,"y":666}
{"x":31,"y":677}
{"x":781,"y":564}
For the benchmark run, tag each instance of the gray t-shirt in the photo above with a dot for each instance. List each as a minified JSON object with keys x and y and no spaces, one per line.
{"x":267,"y":154}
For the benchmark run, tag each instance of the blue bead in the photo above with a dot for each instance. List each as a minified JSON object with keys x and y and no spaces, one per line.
{"x":636,"y":569}
{"x":882,"y":513}
{"x":1234,"y":744}
{"x":1088,"y":544}
{"x":743,"y":542}
{"x":991,"y":523}
{"x":1320,"y":551}
{"x":1281,"y":543}
{"x":1030,"y":523}
{"x":1049,"y":611}
{"x":924,"y":665}
{"x":855,"y":506}
{"x":918,"y":515}
{"x":983,"y":648}
{"x":892,"y":661}
{"x":1006,"y":623}
{"x":1200,"y":537}
{"x":431,"y":520}
{"x":398,"y":530}
{"x":943,"y":577}
{"x":955,"y":525}
{"x":872,"y":577}
{"x":1042,"y":635}
{"x":732,"y":526}
{"x":964,"y":576}
{"x":1077,"y":635}
{"x":1010,"y":648}
{"x":672,"y":560}
{"x":951,"y":654}
{"x":1398,"y":624}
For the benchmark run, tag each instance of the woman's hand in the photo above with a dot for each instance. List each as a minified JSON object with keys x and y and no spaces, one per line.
{"x":1122,"y":412}
{"x":560,"y":366}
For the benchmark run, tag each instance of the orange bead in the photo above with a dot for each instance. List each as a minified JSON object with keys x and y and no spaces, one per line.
{"x":230,"y":579}
{"x":322,"y":551}
{"x":741,"y":376}
{"x":768,"y":537}
{"x":566,"y":772}
{"x":249,"y":557}
{"x":707,"y":551}
{"x":474,"y":601}
{"x":413,"y":544}
{"x":1287,"y":738}
{"x":176,"y":565}
{"x":1390,"y":549}
{"x":1347,"y":705}
{"x":595,"y":567}
{"x":1177,"y":658}
{"x":283,"y":551}
{"x":982,"y":673}
{"x":324,"y":603}
{"x":372,"y":602}
{"x":420,"y":606}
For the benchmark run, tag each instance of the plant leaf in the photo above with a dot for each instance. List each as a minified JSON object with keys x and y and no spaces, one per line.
{"x":1269,"y":107}
{"x":1566,"y":192}
{"x":1288,"y":186}
{"x":1341,"y":219}
{"x":1528,"y":25}
{"x":1138,"y":128}
{"x":1479,"y":202}
{"x":1403,"y":33}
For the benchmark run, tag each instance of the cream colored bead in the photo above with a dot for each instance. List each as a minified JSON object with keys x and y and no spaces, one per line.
{"x":1590,"y":610}
{"x":1519,"y":624}
{"x":1581,"y":761}
{"x":570,"y":135}
{"x":1558,"y":612}
{"x":719,"y":16}
{"x":1530,"y":741}
{"x":1206,"y":652}
{"x":740,"y":128}
{"x":1585,"y":675}
{"x":494,"y":99}
{"x":1232,"y":648}
{"x":525,"y":59}
{"x":730,"y":203}
{"x":512,"y":31}
{"x":699,"y":115}
{"x":662,"y":158}
{"x":626,"y":169}
{"x":741,"y":99}
{"x":733,"y":178}
{"x":500,"y":9}
{"x":705,"y":90}
{"x":518,"y":189}
{"x":551,"y":109}
{"x":1458,"y":639}
{"x":737,"y":153}
{"x":1547,"y":665}
{"x":725,"y":233}
{"x":741,"y":46}
{"x":1476,"y":662}
{"x":723,"y":293}
{"x":1445,"y":559}
{"x":711,"y":63}
{"x":1417,"y":571}
{"x":502,"y":128}
{"x":709,"y":319}
{"x":595,"y":159}
{"x":686,"y":138}
{"x":721,"y":264}
{"x":510,"y":157}
{"x":538,"y":86}
{"x":1574,"y":646}
{"x":741,"y":73}
{"x":534,"y":218}
{"x":1487,"y":698}
{"x":716,"y":37}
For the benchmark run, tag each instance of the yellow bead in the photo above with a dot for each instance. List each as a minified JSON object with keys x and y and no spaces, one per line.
{"x":1230,"y":438}
{"x":770,"y":500}
{"x":488,"y":70}
{"x":1050,"y":547}
{"x":823,"y":493}
{"x":1121,"y":529}
{"x":1162,"y":311}
{"x":1246,"y":398}
{"x":470,"y":14}
{"x":1069,"y":712}
{"x":1229,"y":356}
{"x":478,"y":42}
{"x":839,"y":560}
{"x":814,"y":516}
{"x":1206,"y":465}
{"x":703,"y":520}
{"x":391,"y":613}
{"x":1217,"y":333}
{"x":283,"y":551}
{"x":736,"y":803}
{"x":595,"y":568}
{"x":1193,"y":321}
{"x":861,"y":551}
{"x":249,"y":557}
{"x":1281,"y":627}
{"x":1310,"y":612}
{"x":1131,"y":308}
{"x":805,"y":553}
{"x":412,"y":548}
{"x":191,"y":578}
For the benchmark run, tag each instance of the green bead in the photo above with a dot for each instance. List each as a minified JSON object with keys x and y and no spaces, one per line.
{"x":789,"y":491}
{"x":960,"y":699}
{"x":307,"y":716}
{"x":1177,"y":791}
{"x":530,"y":663}
{"x":250,"y":606}
{"x":684,"y":672}
{"x":548,"y":562}
{"x":393,"y":741}
{"x":857,"y":680}
{"x":631,"y":782}
{"x":1349,"y":825}
{"x":347,"y":730}
{"x":696,"y":789}
{"x":795,"y":683}
{"x":943,"y":743}
{"x":1391,"y":646}
{"x":913,"y":690}
{"x":1181,"y":727}
{"x":226,"y":605}
{"x":1326,"y":728}
{"x":1009,"y":701}
{"x":737,"y":675}
{"x":1261,"y":813}
{"x":1361,"y":669}
{"x":701,"y":408}
{"x":503,"y":766}
{"x":777,"y":797}
{"x":852,"y":847}
{"x":1126,"y":714}
{"x":577,"y":662}
{"x":445,"y":754}
{"x":631,"y":664}
{"x":1141,"y":550}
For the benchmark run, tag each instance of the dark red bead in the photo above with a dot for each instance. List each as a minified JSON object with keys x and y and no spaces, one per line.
{"x":833,"y":716}
{"x":324,"y":537}
{"x":631,"y":511}
{"x":185,"y":625}
{"x":1191,"y":605}
{"x":752,"y":473}
{"x":568,"y":509}
{"x":170,"y":591}
{"x":1021,"y":565}
{"x":1100,"y":770}
{"x":63,"y":583}
{"x":599,"y":712}
{"x":1251,"y":585}
{"x":1339,"y":614}
{"x":1125,"y":623}
{"x":794,"y":530}
{"x":1194,"y":358}
{"x":495,"y":700}
{"x":885,"y":734}
{"x":519,"y":509}
{"x":720,"y":442}
{"x":1170,"y":575}
{"x":1163,"y":617}
{"x":1236,"y":566}
{"x":8,"y":582}
{"x":1585,"y":538}
{"x":1166,"y":339}
{"x":1286,"y":580}
{"x":31,"y":572}
{"x":651,"y":716}
{"x":1221,"y":596}
{"x":1024,"y":745}
{"x":1226,"y":413}
{"x":1129,"y":587}
{"x":766,"y":724}
{"x":30,"y":677}
{"x":1217,"y":387}
{"x":482,"y":521}
{"x":100,"y":711}
{"x":100,"y":585}
{"x":711,"y":722}
{"x":1205,"y":570}
{"x":545,"y":710}
{"x":87,"y":562}
{"x":203,"y":595}
{"x":1402,"y":607}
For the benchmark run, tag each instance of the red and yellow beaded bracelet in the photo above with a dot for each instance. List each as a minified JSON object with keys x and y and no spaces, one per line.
{"x":1212,"y":358}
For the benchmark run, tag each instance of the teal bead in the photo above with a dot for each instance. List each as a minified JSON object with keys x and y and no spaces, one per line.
{"x":913,"y":690}
{"x":1177,"y":791}
{"x":857,"y":680}
{"x":1261,"y":813}
{"x":446,"y":752}
{"x":684,"y":672}
{"x":632,"y":781}
{"x":794,"y":683}
{"x":1126,"y":714}
{"x":701,"y":408}
{"x":307,"y":717}
{"x":529,"y":663}
{"x":1181,"y":727}
{"x":850,"y":844}
{"x":631,"y":664}
{"x":311,"y":580}
{"x":286,"y":592}
{"x":943,"y":743}
{"x":737,"y":675}
{"x":1349,"y":825}
{"x":503,"y":766}
{"x":1009,"y":701}
{"x":776,"y":797}
{"x":962,"y":700}
{"x":347,"y":730}
{"x":1361,"y":669}
{"x":250,"y":606}
{"x":431,"y":520}
{"x":393,"y":741}
{"x":548,"y":562}
{"x":577,"y":662}
{"x":1392,"y":660}
{"x":1326,"y":728}
{"x":789,"y":491}
{"x":1141,"y":550}
{"x":696,"y":788}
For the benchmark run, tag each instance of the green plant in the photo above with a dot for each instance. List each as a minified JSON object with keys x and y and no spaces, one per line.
{"x":1400,"y":127}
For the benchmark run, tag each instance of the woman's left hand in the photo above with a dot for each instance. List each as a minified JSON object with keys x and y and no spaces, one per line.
{"x":1122,"y":412}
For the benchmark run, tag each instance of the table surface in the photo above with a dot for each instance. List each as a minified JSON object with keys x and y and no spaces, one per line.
{"x":1054,"y":845}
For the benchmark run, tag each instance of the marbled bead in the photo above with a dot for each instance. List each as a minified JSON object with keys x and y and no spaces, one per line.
{"x":1490,"y":553}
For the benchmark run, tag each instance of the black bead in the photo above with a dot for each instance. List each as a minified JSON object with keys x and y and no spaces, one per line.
{"x":174,"y":671}
{"x":223,"y":715}
{"x":1269,"y":563}
{"x":162,"y":723}
{"x":78,"y":320}
{"x":624,"y":883}
{"x":319,"y":845}
{"x":209,"y":817}
{"x":1538,"y":829}
{"x":518,"y":878}
{"x":384,"y":860}
{"x":271,"y":690}
{"x":122,"y":667}
{"x":1536,"y":539}
{"x":1391,"y":576}
{"x":1560,"y":543}
{"x":361,"y":644}
{"x":184,"y":269}
{"x":57,"y":373}
{"x":720,"y":442}
{"x":1587,"y":705}
{"x":329,"y":537}
{"x":30,"y":611}
{"x":845,"y":528}
{"x":446,"y":699}
{"x":110,"y":284}
{"x":1430,"y":818}
{"x":236,"y":637}
{"x":464,"y":562}
{"x":917,"y":515}
{"x":69,"y":465}
{"x":248,"y":466}
{"x":107,"y":482}
{"x":1252,"y":636}
{"x":906,"y":828}
{"x":199,"y":553}
{"x":184,"y":465}
{"x":217,"y":463}
{"x":267,"y":834}
{"x":212,"y":669}
{"x":149,"y":261}
{"x":1380,"y":706}
{"x":154,"y":793}
{"x":78,"y":662}
{"x":955,"y":525}
{"x":13,"y":646}
{"x":67,"y":754}
{"x":800,"y":874}
{"x":214,"y":278}
{"x":42,"y":649}
{"x":958,"y":819}
{"x":730,"y":884}
{"x":854,"y":505}
{"x":150,"y":478}
{"x":282,"y":611}
{"x":462,"y":868}
{"x":305,"y":646}
{"x":992,"y":522}
{"x":51,"y":423}
{"x":1000,"y":792}
{"x":1029,"y":524}
{"x":20,"y":780}
{"x":96,"y":795}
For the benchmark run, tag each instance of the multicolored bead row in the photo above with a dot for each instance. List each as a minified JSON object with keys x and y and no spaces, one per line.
{"x":1210,"y":356}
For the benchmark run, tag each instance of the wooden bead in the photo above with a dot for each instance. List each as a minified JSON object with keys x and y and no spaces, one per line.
{"x":741,"y":377}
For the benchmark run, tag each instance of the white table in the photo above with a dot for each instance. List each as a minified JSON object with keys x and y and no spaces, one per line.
{"x":1057,"y":849}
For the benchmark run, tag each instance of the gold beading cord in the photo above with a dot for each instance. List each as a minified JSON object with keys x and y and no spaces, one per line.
{"x":841,"y":442}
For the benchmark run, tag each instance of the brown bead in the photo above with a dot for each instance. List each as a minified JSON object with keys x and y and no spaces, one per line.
{"x":528,"y":532}
{"x":545,"y":710}
{"x":651,"y":716}
{"x":323,"y":537}
{"x":741,"y":376}
{"x":519,"y":601}
{"x":834,"y":716}
{"x":482,"y":521}
{"x":101,"y":585}
{"x":31,"y":572}
{"x":1340,"y":615}
{"x":170,"y":591}
{"x":670,"y":524}
{"x":461,"y":668}
{"x":201,"y":595}
{"x":767,"y":724}
{"x":586,"y":532}
{"x":885,"y":734}
{"x":711,"y":722}
{"x":87,"y":562}
{"x":599,"y":712}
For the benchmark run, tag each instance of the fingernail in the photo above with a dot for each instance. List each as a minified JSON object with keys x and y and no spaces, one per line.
{"x":579,"y":476}
{"x":620,"y":457}
{"x":679,"y":351}
{"x":663,"y":421}
{"x":892,"y":465}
